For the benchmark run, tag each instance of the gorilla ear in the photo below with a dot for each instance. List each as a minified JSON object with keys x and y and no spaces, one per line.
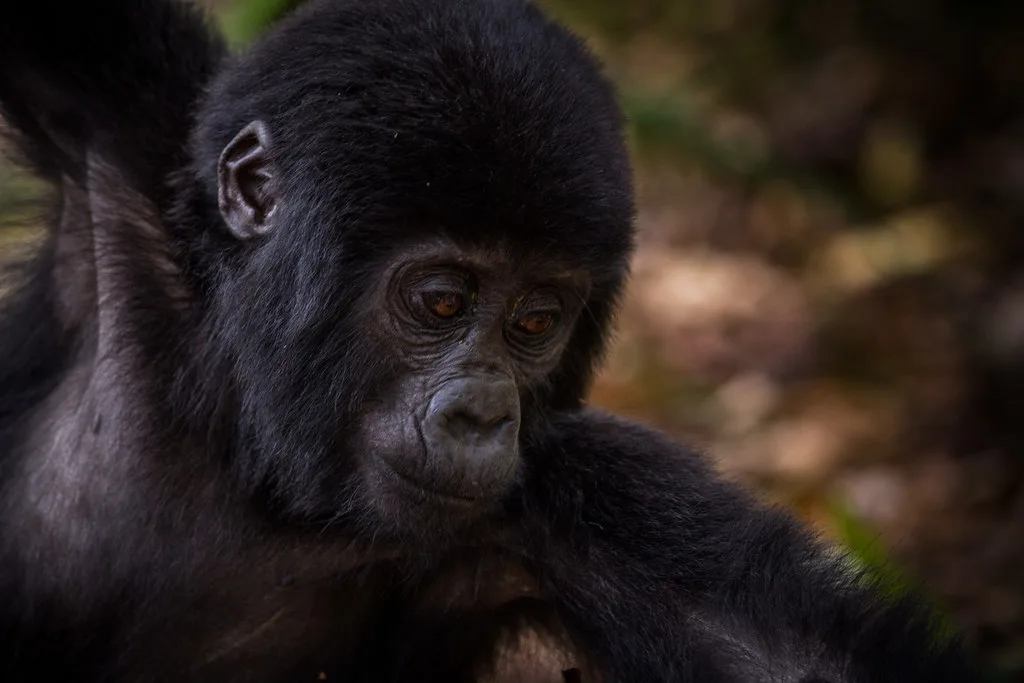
{"x":244,"y":174}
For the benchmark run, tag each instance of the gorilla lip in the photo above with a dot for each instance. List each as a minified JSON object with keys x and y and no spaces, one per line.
{"x":423,"y":490}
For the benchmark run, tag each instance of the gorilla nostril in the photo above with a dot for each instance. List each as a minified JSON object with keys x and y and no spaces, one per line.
{"x":457,"y":418}
{"x":464,"y":422}
{"x":472,"y":423}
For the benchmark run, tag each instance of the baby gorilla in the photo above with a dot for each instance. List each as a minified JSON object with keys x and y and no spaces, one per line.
{"x":293,"y":390}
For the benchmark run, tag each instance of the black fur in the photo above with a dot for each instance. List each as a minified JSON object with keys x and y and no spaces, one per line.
{"x":185,"y":491}
{"x":721,"y":588}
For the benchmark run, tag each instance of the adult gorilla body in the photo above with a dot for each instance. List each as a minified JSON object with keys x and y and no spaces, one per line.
{"x":294,"y":391}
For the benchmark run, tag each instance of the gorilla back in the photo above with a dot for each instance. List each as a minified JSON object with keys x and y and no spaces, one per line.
{"x":293,"y":389}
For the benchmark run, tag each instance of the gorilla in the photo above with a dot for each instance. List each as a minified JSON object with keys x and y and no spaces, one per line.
{"x":295,"y":388}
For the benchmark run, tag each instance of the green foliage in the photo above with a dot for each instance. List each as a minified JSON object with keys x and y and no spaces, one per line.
{"x":245,"y":20}
{"x":866,"y":548}
{"x":673,"y":123}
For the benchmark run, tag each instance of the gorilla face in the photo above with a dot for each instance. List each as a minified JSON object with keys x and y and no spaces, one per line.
{"x":474,"y":333}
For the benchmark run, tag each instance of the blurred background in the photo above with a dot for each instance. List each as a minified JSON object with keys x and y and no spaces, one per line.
{"x":828,"y":297}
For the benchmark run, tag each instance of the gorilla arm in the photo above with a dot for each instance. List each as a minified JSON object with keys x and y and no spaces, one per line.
{"x":663,"y":572}
{"x":66,"y":85}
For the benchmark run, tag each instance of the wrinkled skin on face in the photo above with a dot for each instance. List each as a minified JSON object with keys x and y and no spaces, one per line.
{"x":474,"y":336}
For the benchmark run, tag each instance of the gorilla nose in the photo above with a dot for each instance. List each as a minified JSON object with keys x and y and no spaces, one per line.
{"x":472,"y":425}
{"x":465,"y":423}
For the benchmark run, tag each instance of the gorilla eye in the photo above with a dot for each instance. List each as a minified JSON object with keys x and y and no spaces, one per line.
{"x":536,"y":323}
{"x":444,"y":304}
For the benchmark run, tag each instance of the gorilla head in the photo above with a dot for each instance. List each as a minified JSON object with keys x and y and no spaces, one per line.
{"x":428,"y":218}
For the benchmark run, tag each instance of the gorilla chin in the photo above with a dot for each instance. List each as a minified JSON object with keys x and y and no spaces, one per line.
{"x":412,"y":508}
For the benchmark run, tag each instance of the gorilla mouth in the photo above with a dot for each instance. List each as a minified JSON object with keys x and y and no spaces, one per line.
{"x":422,"y":489}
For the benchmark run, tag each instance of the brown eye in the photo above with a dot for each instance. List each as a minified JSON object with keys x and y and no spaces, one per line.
{"x":536,"y":323}
{"x":444,"y":304}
